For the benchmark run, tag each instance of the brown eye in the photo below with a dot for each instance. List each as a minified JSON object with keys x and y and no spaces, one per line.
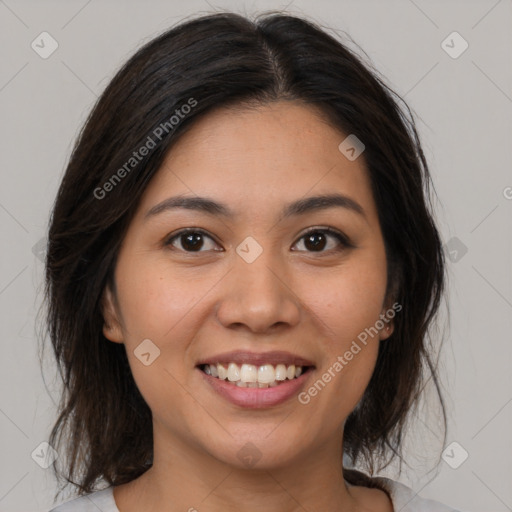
{"x":317,"y":240}
{"x":190,"y":240}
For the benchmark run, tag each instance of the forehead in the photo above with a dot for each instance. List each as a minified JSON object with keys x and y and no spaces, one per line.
{"x":260,"y":157}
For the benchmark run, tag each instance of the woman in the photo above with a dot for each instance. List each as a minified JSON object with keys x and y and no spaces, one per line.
{"x":241,"y":275}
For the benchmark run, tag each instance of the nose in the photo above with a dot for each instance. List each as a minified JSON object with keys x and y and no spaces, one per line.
{"x":258,"y":297}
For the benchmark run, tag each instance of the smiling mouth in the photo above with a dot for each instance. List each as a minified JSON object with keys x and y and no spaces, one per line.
{"x":253,"y":376}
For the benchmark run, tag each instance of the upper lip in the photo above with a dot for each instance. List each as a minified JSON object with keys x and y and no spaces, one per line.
{"x":257,"y":359}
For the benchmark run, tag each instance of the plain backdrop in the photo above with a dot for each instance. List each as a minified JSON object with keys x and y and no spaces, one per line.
{"x":463,"y":105}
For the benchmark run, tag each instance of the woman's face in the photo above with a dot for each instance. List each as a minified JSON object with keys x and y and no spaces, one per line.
{"x":258,"y":283}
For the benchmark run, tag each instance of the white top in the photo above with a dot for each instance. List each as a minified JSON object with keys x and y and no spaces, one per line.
{"x":403,"y":498}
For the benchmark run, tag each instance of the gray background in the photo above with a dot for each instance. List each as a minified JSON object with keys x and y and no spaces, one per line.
{"x":464,"y":105}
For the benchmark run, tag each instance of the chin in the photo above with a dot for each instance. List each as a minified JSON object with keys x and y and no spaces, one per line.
{"x":257,"y":452}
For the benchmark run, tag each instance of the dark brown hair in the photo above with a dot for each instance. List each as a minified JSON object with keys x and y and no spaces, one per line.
{"x":105,"y":426}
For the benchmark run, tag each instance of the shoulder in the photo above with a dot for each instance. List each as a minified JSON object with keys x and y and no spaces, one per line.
{"x":100,"y":500}
{"x":406,"y":499}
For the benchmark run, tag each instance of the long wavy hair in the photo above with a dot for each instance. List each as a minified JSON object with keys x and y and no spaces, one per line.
{"x":104,"y":426}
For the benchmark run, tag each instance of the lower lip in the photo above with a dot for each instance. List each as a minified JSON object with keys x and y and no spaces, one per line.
{"x":257,"y":398}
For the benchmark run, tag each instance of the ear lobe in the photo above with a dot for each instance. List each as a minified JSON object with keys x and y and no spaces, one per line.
{"x":389,"y":305}
{"x":111,"y":325}
{"x":389,"y":326}
{"x":387,"y":331}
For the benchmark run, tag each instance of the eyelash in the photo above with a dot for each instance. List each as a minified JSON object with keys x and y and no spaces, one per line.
{"x":340,"y":237}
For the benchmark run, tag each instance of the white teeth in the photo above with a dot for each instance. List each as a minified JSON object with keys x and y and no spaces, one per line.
{"x":249,"y":373}
{"x":280,"y":372}
{"x":233,"y":372}
{"x":252,"y":376}
{"x":223,"y":373}
{"x":266,"y":374}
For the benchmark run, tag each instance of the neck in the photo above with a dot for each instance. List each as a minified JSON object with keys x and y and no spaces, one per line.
{"x":188,"y":479}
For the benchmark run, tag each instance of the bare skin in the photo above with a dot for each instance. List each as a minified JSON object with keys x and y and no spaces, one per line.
{"x":199,"y":303}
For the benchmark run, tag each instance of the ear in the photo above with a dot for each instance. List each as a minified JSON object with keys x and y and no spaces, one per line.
{"x":391,"y":304}
{"x":111,"y":325}
{"x":388,"y":320}
{"x":387,"y":330}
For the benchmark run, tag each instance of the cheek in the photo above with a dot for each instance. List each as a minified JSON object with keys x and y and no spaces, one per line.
{"x":154,"y":301}
{"x":349,"y":301}
{"x":164,"y":306}
{"x":156,"y":306}
{"x":348,"y":307}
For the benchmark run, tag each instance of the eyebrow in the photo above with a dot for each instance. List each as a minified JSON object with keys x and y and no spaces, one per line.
{"x":299,"y":207}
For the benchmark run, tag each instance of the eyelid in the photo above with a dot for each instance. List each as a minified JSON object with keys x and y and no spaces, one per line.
{"x":325,"y":229}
